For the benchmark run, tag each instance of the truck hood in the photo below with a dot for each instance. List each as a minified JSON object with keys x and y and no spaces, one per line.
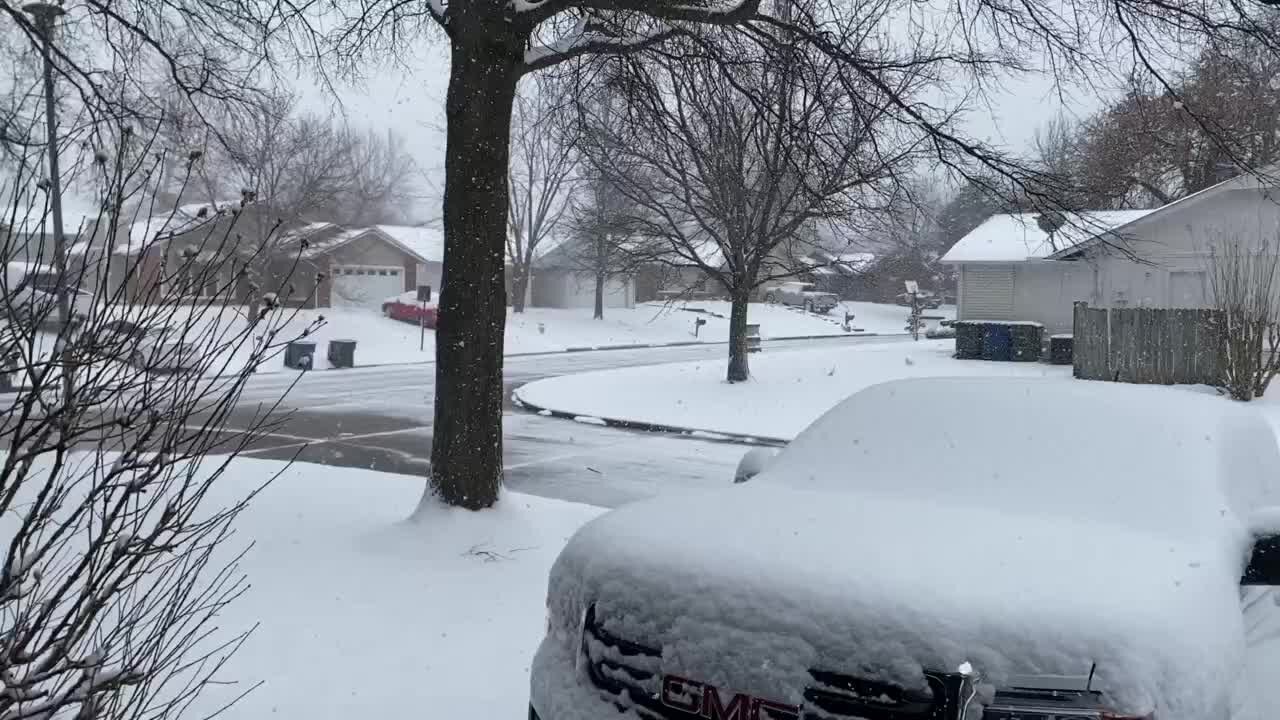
{"x":753,"y":586}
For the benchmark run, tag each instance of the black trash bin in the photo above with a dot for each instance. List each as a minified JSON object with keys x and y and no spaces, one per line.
{"x":342,"y":353}
{"x":968,"y":340}
{"x":300,"y":355}
{"x":1061,"y":349}
{"x":1025,"y":341}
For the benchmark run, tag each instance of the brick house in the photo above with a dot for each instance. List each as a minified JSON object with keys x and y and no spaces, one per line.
{"x":318,"y":264}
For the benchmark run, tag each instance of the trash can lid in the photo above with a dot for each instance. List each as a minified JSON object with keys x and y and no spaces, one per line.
{"x":342,"y":340}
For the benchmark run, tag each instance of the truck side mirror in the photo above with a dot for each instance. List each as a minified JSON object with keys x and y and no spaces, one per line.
{"x":1264,"y":562}
{"x":752,"y":463}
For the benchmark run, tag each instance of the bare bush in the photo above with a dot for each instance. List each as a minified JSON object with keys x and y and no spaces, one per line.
{"x":1246,"y":291}
{"x":116,"y":561}
{"x":544,"y":159}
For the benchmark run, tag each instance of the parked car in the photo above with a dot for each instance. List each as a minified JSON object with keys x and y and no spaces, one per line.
{"x":153,"y":348}
{"x":31,"y":292}
{"x":801,"y":294}
{"x":926,"y":299}
{"x":1089,"y":564}
{"x":406,"y":308}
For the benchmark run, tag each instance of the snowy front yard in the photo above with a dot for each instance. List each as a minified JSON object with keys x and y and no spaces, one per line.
{"x":362,"y":614}
{"x":382,"y":341}
{"x":785,"y":394}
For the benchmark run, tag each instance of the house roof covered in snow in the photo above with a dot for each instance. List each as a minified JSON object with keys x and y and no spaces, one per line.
{"x":30,"y":213}
{"x":1266,"y":179}
{"x":183,"y":218}
{"x":425,"y":242}
{"x":1017,"y":237}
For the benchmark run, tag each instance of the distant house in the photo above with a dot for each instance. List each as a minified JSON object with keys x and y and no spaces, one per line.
{"x":560,"y":282}
{"x":1011,"y":269}
{"x":426,"y":243}
{"x":839,"y":273}
{"x":319,"y":264}
{"x":26,"y":225}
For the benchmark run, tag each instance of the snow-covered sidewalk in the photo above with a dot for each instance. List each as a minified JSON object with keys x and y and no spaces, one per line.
{"x":362,"y":614}
{"x":785,"y":394}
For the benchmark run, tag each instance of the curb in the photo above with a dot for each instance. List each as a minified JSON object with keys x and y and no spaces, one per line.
{"x":692,"y":433}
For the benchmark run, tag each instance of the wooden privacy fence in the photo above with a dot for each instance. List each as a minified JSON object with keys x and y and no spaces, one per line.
{"x":1148,"y":345}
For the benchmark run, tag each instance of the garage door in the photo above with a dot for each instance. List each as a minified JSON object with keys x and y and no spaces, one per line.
{"x":365,"y":286}
{"x":987,"y":294}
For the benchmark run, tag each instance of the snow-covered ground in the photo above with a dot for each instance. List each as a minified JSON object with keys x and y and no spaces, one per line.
{"x":785,"y":394}
{"x":362,"y":614}
{"x":786,"y":321}
{"x":382,"y":341}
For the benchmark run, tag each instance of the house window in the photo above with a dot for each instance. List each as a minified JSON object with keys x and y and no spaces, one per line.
{"x":394,"y":273}
{"x":1187,"y":289}
{"x":382,"y":273}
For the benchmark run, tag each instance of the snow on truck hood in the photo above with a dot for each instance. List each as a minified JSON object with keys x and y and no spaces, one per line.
{"x":1036,"y":527}
{"x":751,"y":587}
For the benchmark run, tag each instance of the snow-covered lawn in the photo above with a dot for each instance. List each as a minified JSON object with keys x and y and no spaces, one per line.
{"x":381,"y":341}
{"x":384,"y":341}
{"x":362,"y":614}
{"x":786,"y":321}
{"x":785,"y":394}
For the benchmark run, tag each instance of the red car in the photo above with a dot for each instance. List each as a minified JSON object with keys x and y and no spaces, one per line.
{"x":406,"y":308}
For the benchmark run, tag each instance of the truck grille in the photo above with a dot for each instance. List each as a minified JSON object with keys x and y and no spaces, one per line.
{"x":629,"y":674}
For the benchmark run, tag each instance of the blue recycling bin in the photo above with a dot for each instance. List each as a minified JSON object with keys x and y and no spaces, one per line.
{"x":997,"y":342}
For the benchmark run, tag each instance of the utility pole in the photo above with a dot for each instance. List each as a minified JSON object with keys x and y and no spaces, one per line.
{"x":45,"y":15}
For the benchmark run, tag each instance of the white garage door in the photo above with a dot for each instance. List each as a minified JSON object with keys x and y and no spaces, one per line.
{"x":987,"y":293}
{"x":365,"y":286}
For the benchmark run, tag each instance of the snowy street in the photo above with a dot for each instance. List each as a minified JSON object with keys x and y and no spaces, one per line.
{"x":380,"y":419}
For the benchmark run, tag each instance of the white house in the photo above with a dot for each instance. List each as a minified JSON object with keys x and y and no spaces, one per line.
{"x":426,"y":242}
{"x":560,"y":282}
{"x":1010,"y":269}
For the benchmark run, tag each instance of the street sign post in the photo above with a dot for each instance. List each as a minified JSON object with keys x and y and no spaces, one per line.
{"x":424,"y":297}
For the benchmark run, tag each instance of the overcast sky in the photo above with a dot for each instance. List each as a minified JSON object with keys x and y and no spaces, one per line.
{"x":412,"y":104}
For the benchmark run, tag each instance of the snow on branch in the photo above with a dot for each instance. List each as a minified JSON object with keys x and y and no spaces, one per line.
{"x":717,"y":12}
{"x":583,"y":40}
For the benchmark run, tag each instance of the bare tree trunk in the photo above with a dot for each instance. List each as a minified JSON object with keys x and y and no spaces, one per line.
{"x":466,"y":450}
{"x":599,"y":307}
{"x":739,"y":370}
{"x":519,"y":285}
{"x":602,"y":260}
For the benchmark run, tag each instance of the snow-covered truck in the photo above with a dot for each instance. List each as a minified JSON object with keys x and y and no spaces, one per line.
{"x":1053,"y":550}
{"x":802,"y":295}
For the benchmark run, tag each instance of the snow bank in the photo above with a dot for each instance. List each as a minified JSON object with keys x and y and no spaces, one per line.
{"x":787,"y":391}
{"x":1042,"y":527}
